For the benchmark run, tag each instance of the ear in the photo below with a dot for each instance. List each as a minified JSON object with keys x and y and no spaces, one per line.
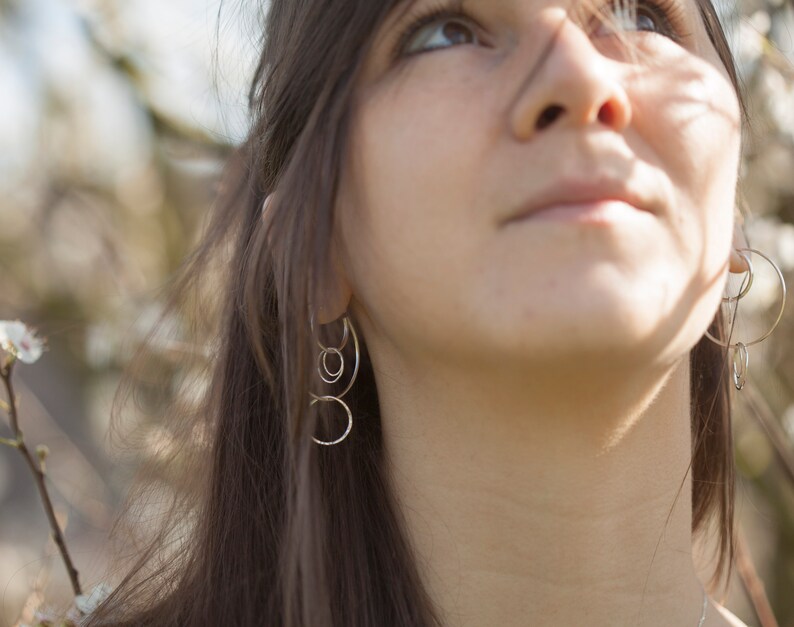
{"x":335,"y":291}
{"x":737,"y":263}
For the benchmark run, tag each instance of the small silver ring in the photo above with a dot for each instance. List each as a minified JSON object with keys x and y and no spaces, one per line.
{"x":321,"y":359}
{"x":740,"y":375}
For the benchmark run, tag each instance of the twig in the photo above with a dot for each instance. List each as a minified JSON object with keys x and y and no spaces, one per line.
{"x":38,"y":475}
{"x":752,"y":583}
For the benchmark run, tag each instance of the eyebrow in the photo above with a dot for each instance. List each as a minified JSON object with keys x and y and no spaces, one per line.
{"x":394,"y":15}
{"x":405,"y":6}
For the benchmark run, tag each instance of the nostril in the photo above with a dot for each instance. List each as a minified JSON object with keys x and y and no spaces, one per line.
{"x":548,"y":116}
{"x":606,"y":114}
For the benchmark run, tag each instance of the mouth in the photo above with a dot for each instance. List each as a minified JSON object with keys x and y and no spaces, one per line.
{"x":597,"y":213}
{"x":584,"y":201}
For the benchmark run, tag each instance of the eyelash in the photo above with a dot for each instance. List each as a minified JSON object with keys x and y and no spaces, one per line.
{"x":668,"y":12}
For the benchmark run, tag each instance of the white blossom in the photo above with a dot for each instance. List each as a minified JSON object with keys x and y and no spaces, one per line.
{"x":21,"y":341}
{"x":779,"y":92}
{"x":87,"y":603}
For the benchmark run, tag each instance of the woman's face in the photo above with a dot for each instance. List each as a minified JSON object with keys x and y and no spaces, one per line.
{"x":515,"y":105}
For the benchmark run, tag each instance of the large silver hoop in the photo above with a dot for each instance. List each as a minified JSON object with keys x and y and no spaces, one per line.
{"x":743,"y":293}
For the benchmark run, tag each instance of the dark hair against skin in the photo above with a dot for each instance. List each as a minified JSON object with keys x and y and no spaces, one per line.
{"x":270,"y":528}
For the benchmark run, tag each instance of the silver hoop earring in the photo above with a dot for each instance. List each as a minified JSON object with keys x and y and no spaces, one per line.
{"x":740,"y":348}
{"x":332,"y":377}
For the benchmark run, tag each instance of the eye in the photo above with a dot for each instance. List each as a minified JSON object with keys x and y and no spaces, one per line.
{"x":663,"y":17}
{"x":438,"y":29}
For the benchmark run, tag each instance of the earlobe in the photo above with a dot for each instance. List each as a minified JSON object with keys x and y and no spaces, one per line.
{"x":737,"y":263}
{"x":335,"y":292}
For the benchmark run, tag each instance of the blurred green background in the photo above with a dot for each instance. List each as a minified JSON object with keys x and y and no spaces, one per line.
{"x":116,"y":117}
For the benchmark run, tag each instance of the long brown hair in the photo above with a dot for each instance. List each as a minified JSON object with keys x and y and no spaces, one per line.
{"x":266,"y":527}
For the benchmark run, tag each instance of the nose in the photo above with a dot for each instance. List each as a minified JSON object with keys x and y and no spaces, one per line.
{"x":573,"y":85}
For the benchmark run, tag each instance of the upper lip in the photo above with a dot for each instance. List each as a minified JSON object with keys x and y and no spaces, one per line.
{"x":568,"y":191}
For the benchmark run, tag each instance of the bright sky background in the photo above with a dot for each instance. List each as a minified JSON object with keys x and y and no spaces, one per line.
{"x":43,"y":47}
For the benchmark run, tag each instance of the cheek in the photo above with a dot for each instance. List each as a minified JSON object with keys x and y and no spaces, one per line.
{"x":413,"y":234}
{"x":691,"y":118}
{"x":415,"y":171}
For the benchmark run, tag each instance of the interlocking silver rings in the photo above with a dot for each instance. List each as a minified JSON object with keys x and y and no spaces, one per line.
{"x":333,"y":377}
{"x":740,"y":348}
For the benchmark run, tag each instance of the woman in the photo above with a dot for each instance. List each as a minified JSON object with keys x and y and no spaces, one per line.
{"x":509,"y":225}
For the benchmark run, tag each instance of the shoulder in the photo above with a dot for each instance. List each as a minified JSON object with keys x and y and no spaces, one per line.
{"x":729,"y":616}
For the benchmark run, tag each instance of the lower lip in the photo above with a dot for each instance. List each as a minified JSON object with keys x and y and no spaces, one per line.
{"x":602,"y":212}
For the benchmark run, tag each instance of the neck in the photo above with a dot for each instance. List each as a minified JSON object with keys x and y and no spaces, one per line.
{"x":529,"y":501}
